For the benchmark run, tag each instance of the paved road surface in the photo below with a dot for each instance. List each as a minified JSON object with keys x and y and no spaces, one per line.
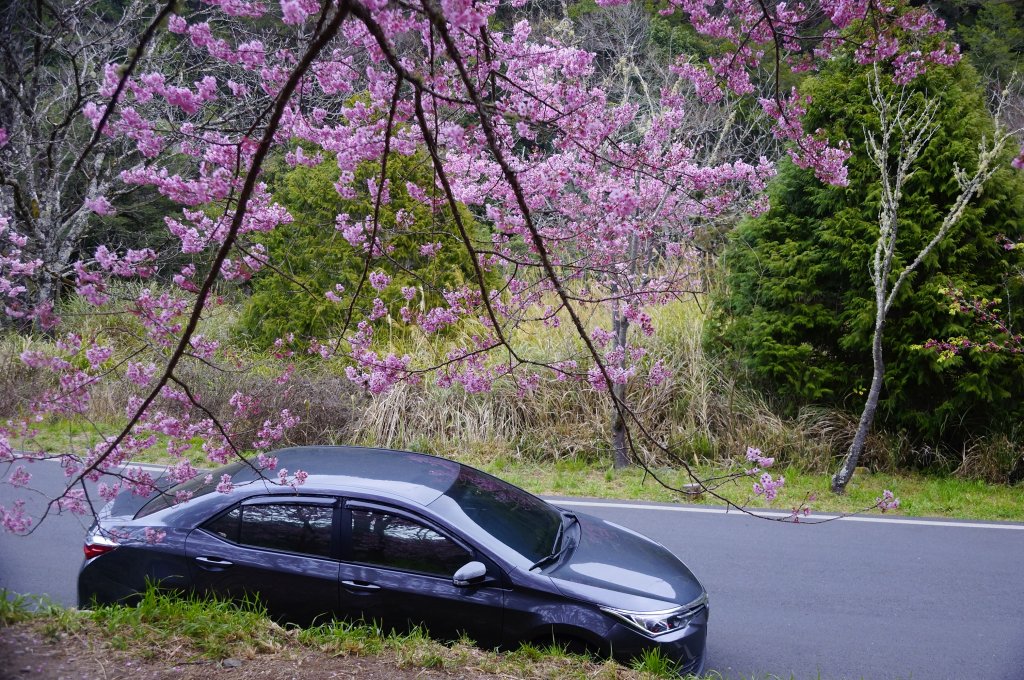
{"x":844,"y":600}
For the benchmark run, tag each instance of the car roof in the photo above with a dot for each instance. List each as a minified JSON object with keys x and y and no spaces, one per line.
{"x":416,"y":476}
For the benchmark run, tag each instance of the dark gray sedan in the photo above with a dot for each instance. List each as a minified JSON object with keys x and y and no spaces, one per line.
{"x":402,"y":538}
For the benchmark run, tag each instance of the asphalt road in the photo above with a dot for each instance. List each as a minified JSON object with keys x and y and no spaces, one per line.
{"x":877,"y":600}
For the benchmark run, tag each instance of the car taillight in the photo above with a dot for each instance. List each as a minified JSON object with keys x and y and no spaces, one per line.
{"x":97,"y":544}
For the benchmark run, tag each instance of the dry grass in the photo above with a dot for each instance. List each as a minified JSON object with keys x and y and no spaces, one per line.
{"x":699,"y":414}
{"x":19,"y":383}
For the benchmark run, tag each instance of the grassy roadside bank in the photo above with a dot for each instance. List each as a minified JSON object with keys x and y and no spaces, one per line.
{"x":167,"y":636}
{"x":920,"y":495}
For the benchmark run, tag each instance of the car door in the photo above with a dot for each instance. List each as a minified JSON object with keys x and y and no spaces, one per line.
{"x":280,"y":550}
{"x":397,"y":570}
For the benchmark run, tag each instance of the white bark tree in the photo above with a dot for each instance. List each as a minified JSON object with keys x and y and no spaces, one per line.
{"x":905,"y":129}
{"x":52,"y":62}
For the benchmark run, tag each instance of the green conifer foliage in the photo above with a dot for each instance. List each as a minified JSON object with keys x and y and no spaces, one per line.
{"x":797,"y":309}
{"x":311,"y":256}
{"x":995,"y":41}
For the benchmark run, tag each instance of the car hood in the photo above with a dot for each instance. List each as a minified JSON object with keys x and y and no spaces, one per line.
{"x":617,"y":567}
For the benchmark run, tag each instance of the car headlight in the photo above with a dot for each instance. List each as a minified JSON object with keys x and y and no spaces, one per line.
{"x":659,"y":623}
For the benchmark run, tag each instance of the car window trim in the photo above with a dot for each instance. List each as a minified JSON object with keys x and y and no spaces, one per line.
{"x":274,"y":499}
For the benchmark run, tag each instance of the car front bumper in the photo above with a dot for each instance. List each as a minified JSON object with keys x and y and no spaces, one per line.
{"x":686,"y":646}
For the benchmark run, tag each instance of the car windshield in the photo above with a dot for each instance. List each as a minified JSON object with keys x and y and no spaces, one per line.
{"x":520,"y":520}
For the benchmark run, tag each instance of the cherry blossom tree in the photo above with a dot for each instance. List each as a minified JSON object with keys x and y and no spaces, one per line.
{"x":590,"y":199}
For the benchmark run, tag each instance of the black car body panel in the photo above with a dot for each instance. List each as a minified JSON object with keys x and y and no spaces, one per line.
{"x":623,"y":569}
{"x":296,"y":588}
{"x":378,"y":535}
{"x":137,"y":561}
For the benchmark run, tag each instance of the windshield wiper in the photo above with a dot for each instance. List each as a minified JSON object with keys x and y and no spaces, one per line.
{"x":559,"y":545}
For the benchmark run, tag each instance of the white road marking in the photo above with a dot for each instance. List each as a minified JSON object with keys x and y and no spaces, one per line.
{"x":57,"y":459}
{"x":774,"y":514}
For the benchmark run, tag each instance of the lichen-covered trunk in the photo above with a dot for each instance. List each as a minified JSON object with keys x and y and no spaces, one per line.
{"x":41,"y":287}
{"x":57,"y":237}
{"x":867,"y":417}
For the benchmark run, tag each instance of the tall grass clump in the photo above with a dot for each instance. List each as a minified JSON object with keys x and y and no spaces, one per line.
{"x":19,"y":383}
{"x":214,"y":628}
{"x":14,"y":607}
{"x":699,"y":413}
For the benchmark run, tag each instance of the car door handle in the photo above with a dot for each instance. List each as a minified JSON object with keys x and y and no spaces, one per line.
{"x":215,"y":562}
{"x":360,"y":585}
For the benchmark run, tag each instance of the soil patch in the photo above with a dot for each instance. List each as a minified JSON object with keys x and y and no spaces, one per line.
{"x":28,"y":652}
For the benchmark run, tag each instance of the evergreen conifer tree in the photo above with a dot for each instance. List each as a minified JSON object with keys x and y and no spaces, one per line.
{"x":798,"y":309}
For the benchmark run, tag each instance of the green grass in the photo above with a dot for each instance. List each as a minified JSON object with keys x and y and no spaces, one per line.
{"x":920,"y":495}
{"x":213,"y":628}
{"x":341,"y":638}
{"x":78,"y":434}
{"x":652,"y":662}
{"x":70,"y":435}
{"x":163,"y":627}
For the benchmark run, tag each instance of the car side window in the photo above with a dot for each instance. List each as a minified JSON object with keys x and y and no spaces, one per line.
{"x":226,"y":525}
{"x":390,"y":540}
{"x":291,"y":527}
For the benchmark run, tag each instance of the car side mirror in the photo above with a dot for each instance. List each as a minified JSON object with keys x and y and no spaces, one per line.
{"x":469,"y":573}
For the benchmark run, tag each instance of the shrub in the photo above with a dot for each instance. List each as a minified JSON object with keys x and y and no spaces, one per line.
{"x":313,"y":254}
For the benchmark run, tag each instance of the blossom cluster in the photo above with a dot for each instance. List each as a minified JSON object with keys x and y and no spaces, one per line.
{"x":887,"y":501}
{"x":589,"y":203}
{"x":620,"y":186}
{"x":765,"y":485}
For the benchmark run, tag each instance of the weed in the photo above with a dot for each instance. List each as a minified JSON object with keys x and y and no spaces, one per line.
{"x":528,"y":651}
{"x":653,"y":662}
{"x":416,"y":648}
{"x":342,"y":638}
{"x":14,"y":607}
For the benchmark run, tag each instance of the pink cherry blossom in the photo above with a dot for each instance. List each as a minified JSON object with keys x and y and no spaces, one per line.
{"x":574,"y":206}
{"x":100,"y":205}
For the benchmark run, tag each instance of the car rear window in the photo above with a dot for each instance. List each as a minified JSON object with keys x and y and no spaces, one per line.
{"x":199,"y":485}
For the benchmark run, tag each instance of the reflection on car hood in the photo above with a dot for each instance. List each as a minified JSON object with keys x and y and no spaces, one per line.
{"x":617,"y":567}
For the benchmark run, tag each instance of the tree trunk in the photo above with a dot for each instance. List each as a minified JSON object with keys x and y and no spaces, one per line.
{"x":620,"y":448}
{"x":56,"y":249}
{"x":867,"y":417}
{"x":47,"y":289}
